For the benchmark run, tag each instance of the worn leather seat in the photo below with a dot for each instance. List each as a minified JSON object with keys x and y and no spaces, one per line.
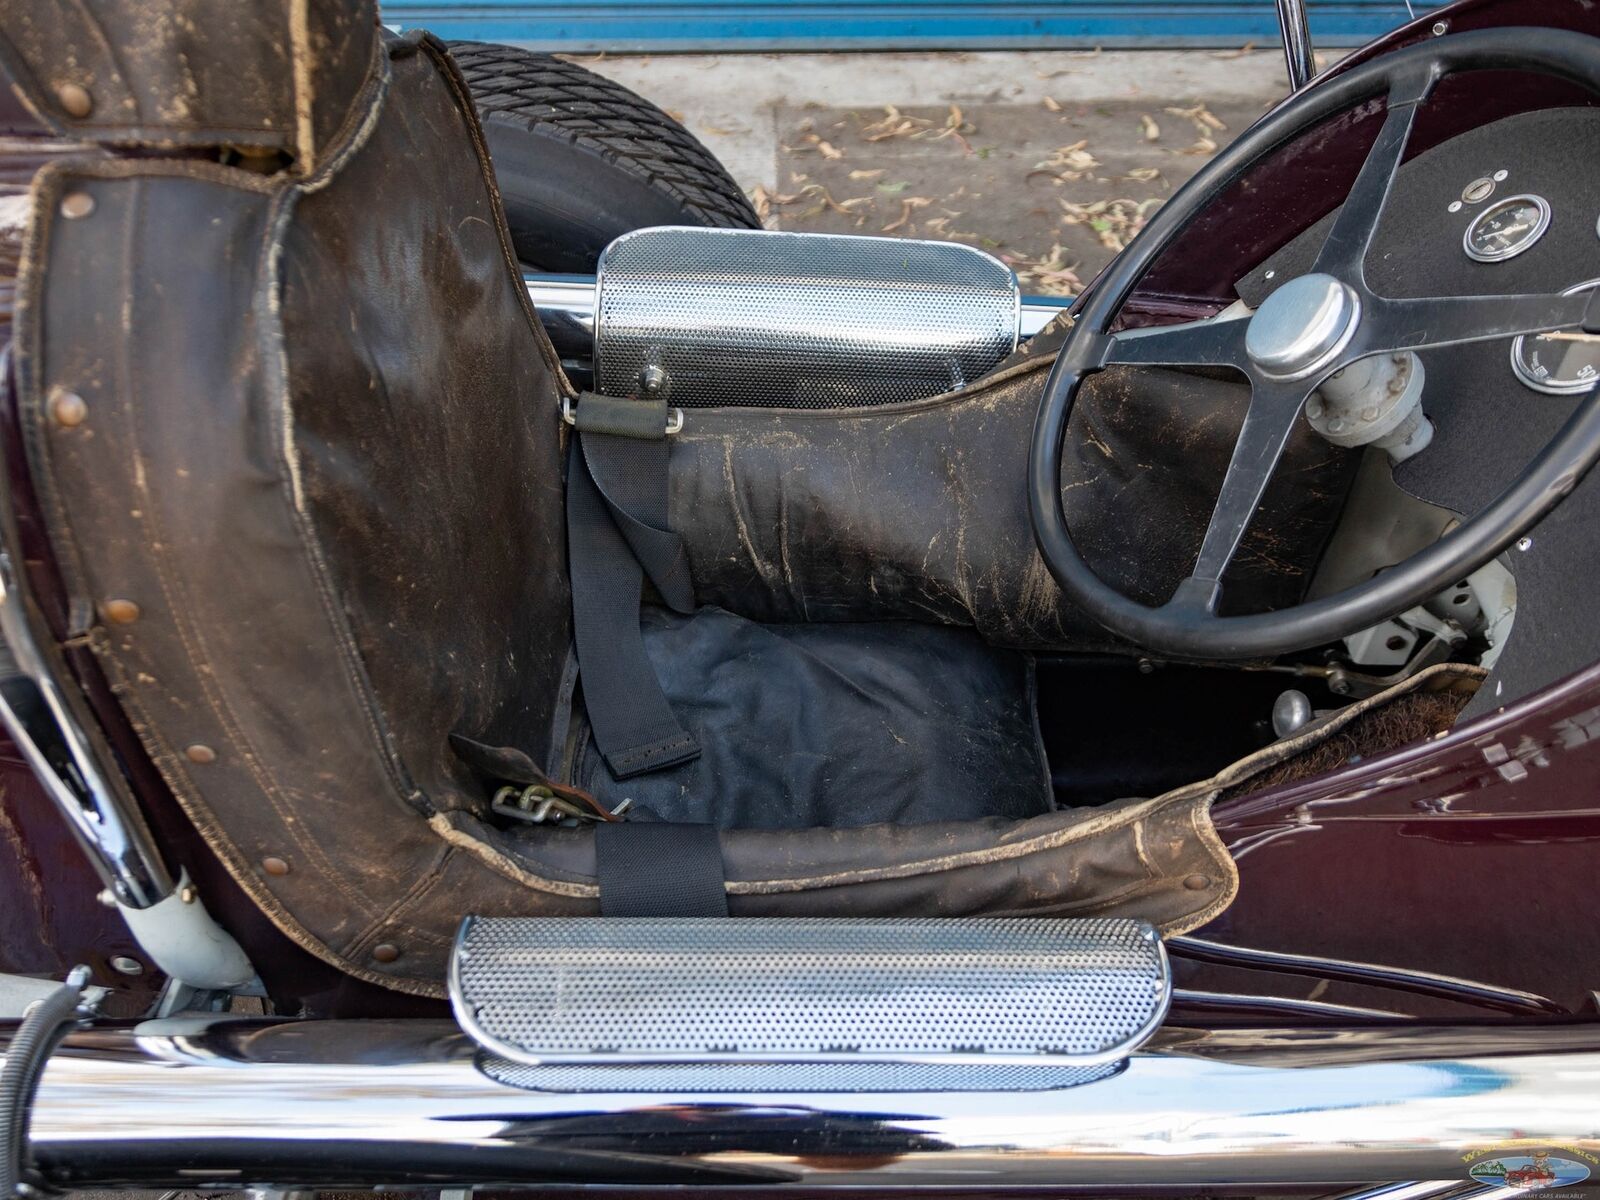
{"x":322,"y":477}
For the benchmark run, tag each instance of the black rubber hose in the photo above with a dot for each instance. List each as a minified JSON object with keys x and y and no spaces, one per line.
{"x":26,"y":1055}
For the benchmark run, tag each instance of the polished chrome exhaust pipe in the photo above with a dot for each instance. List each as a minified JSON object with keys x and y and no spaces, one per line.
{"x":755,"y":318}
{"x":225,"y":1101}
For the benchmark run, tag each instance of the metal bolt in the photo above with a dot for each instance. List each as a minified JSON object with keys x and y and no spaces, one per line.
{"x":124,"y":965}
{"x":1314,"y":407}
{"x":200,"y":753}
{"x":1270,"y":275}
{"x":188,"y":895}
{"x":652,"y":378}
{"x":1338,"y":685}
{"x":106,"y":897}
{"x":1336,"y":425}
{"x":1455,"y":206}
{"x":1500,"y":175}
{"x":1291,"y":712}
{"x":1525,"y":544}
{"x":273,"y":865}
{"x":1440,"y":28}
{"x":1146,"y":667}
{"x":386,"y":952}
{"x":76,"y":205}
{"x":67,"y":409}
{"x":1197,"y":883}
{"x":75,"y":100}
{"x":1370,"y":413}
{"x":119,"y":611}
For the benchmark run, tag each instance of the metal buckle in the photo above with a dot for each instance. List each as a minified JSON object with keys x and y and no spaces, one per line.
{"x":538,"y":805}
{"x":569,"y":414}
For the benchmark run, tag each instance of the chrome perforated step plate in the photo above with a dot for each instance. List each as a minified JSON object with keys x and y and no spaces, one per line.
{"x":1014,"y":993}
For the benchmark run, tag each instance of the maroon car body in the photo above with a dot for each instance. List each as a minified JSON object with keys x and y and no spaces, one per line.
{"x":1472,"y":855}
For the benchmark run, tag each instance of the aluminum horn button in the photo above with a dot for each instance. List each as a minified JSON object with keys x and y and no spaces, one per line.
{"x":1302,"y":326}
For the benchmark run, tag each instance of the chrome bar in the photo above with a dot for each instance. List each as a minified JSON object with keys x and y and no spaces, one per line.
{"x":1424,"y":983}
{"x":1297,"y":53}
{"x":65,"y":756}
{"x":1423,"y":1189}
{"x":210,"y":1101}
{"x":1039,"y":311}
{"x":75,"y":766}
{"x":566,"y":304}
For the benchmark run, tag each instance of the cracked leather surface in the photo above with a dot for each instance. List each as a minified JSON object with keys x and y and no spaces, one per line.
{"x":919,"y":511}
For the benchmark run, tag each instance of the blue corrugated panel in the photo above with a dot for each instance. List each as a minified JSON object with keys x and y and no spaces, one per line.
{"x":885,"y":24}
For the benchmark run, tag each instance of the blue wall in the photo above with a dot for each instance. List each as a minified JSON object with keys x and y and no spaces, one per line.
{"x":886,"y":24}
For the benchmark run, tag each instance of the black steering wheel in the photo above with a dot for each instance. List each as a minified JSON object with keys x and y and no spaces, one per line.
{"x":1304,"y":332}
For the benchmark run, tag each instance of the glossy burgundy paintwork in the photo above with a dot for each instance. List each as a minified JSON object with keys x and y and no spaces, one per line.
{"x":1307,"y":178}
{"x":52,"y":917}
{"x":1477,"y":854}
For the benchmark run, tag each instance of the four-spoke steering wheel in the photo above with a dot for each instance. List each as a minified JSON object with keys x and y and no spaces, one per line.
{"x":1304,"y":332}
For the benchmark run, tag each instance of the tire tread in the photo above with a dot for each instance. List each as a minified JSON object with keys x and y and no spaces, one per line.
{"x":551,"y":97}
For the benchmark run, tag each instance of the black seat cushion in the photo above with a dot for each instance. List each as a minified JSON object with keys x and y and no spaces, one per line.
{"x":806,"y":726}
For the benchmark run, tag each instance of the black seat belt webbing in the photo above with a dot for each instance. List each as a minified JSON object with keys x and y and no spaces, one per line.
{"x":617,"y":533}
{"x":646,"y":869}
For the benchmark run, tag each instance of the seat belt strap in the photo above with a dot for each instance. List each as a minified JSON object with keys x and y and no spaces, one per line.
{"x":616,"y":534}
{"x":649,"y":869}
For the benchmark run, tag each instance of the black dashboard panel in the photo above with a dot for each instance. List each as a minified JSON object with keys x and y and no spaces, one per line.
{"x":1488,"y":425}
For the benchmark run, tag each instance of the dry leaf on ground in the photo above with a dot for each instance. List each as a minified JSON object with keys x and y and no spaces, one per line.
{"x":1205,"y":123}
{"x":1113,"y":222}
{"x":1051,"y":275}
{"x":908,"y":206}
{"x":1068,"y":163}
{"x":895,"y":124}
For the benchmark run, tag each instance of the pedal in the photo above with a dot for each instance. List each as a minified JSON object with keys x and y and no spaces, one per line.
{"x":806,"y":1004}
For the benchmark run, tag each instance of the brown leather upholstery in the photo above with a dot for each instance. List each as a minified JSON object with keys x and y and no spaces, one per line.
{"x":322,"y":459}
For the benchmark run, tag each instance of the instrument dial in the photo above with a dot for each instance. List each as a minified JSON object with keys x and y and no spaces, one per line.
{"x":1558,"y":363}
{"x":1506,"y":229}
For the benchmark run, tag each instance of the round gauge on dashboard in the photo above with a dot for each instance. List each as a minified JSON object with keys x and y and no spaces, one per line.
{"x":1558,"y":363}
{"x":1507,"y":228}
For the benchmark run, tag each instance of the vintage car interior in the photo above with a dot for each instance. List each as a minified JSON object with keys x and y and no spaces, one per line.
{"x":797,"y":577}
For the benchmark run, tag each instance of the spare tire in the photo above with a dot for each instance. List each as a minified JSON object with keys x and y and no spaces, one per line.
{"x":581,"y":159}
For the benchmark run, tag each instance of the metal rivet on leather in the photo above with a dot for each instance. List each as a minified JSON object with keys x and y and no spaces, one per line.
{"x":67,"y":409}
{"x":75,"y":205}
{"x":386,"y":952}
{"x":75,"y":100}
{"x":273,"y":865}
{"x":1197,"y":883}
{"x":200,"y":753}
{"x":119,"y":611}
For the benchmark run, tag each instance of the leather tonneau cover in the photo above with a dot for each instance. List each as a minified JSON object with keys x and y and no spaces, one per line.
{"x":918,"y":511}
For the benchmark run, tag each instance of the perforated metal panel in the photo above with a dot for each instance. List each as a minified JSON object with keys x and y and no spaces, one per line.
{"x":746,"y":317}
{"x":1017,"y":991}
{"x":784,"y":1077}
